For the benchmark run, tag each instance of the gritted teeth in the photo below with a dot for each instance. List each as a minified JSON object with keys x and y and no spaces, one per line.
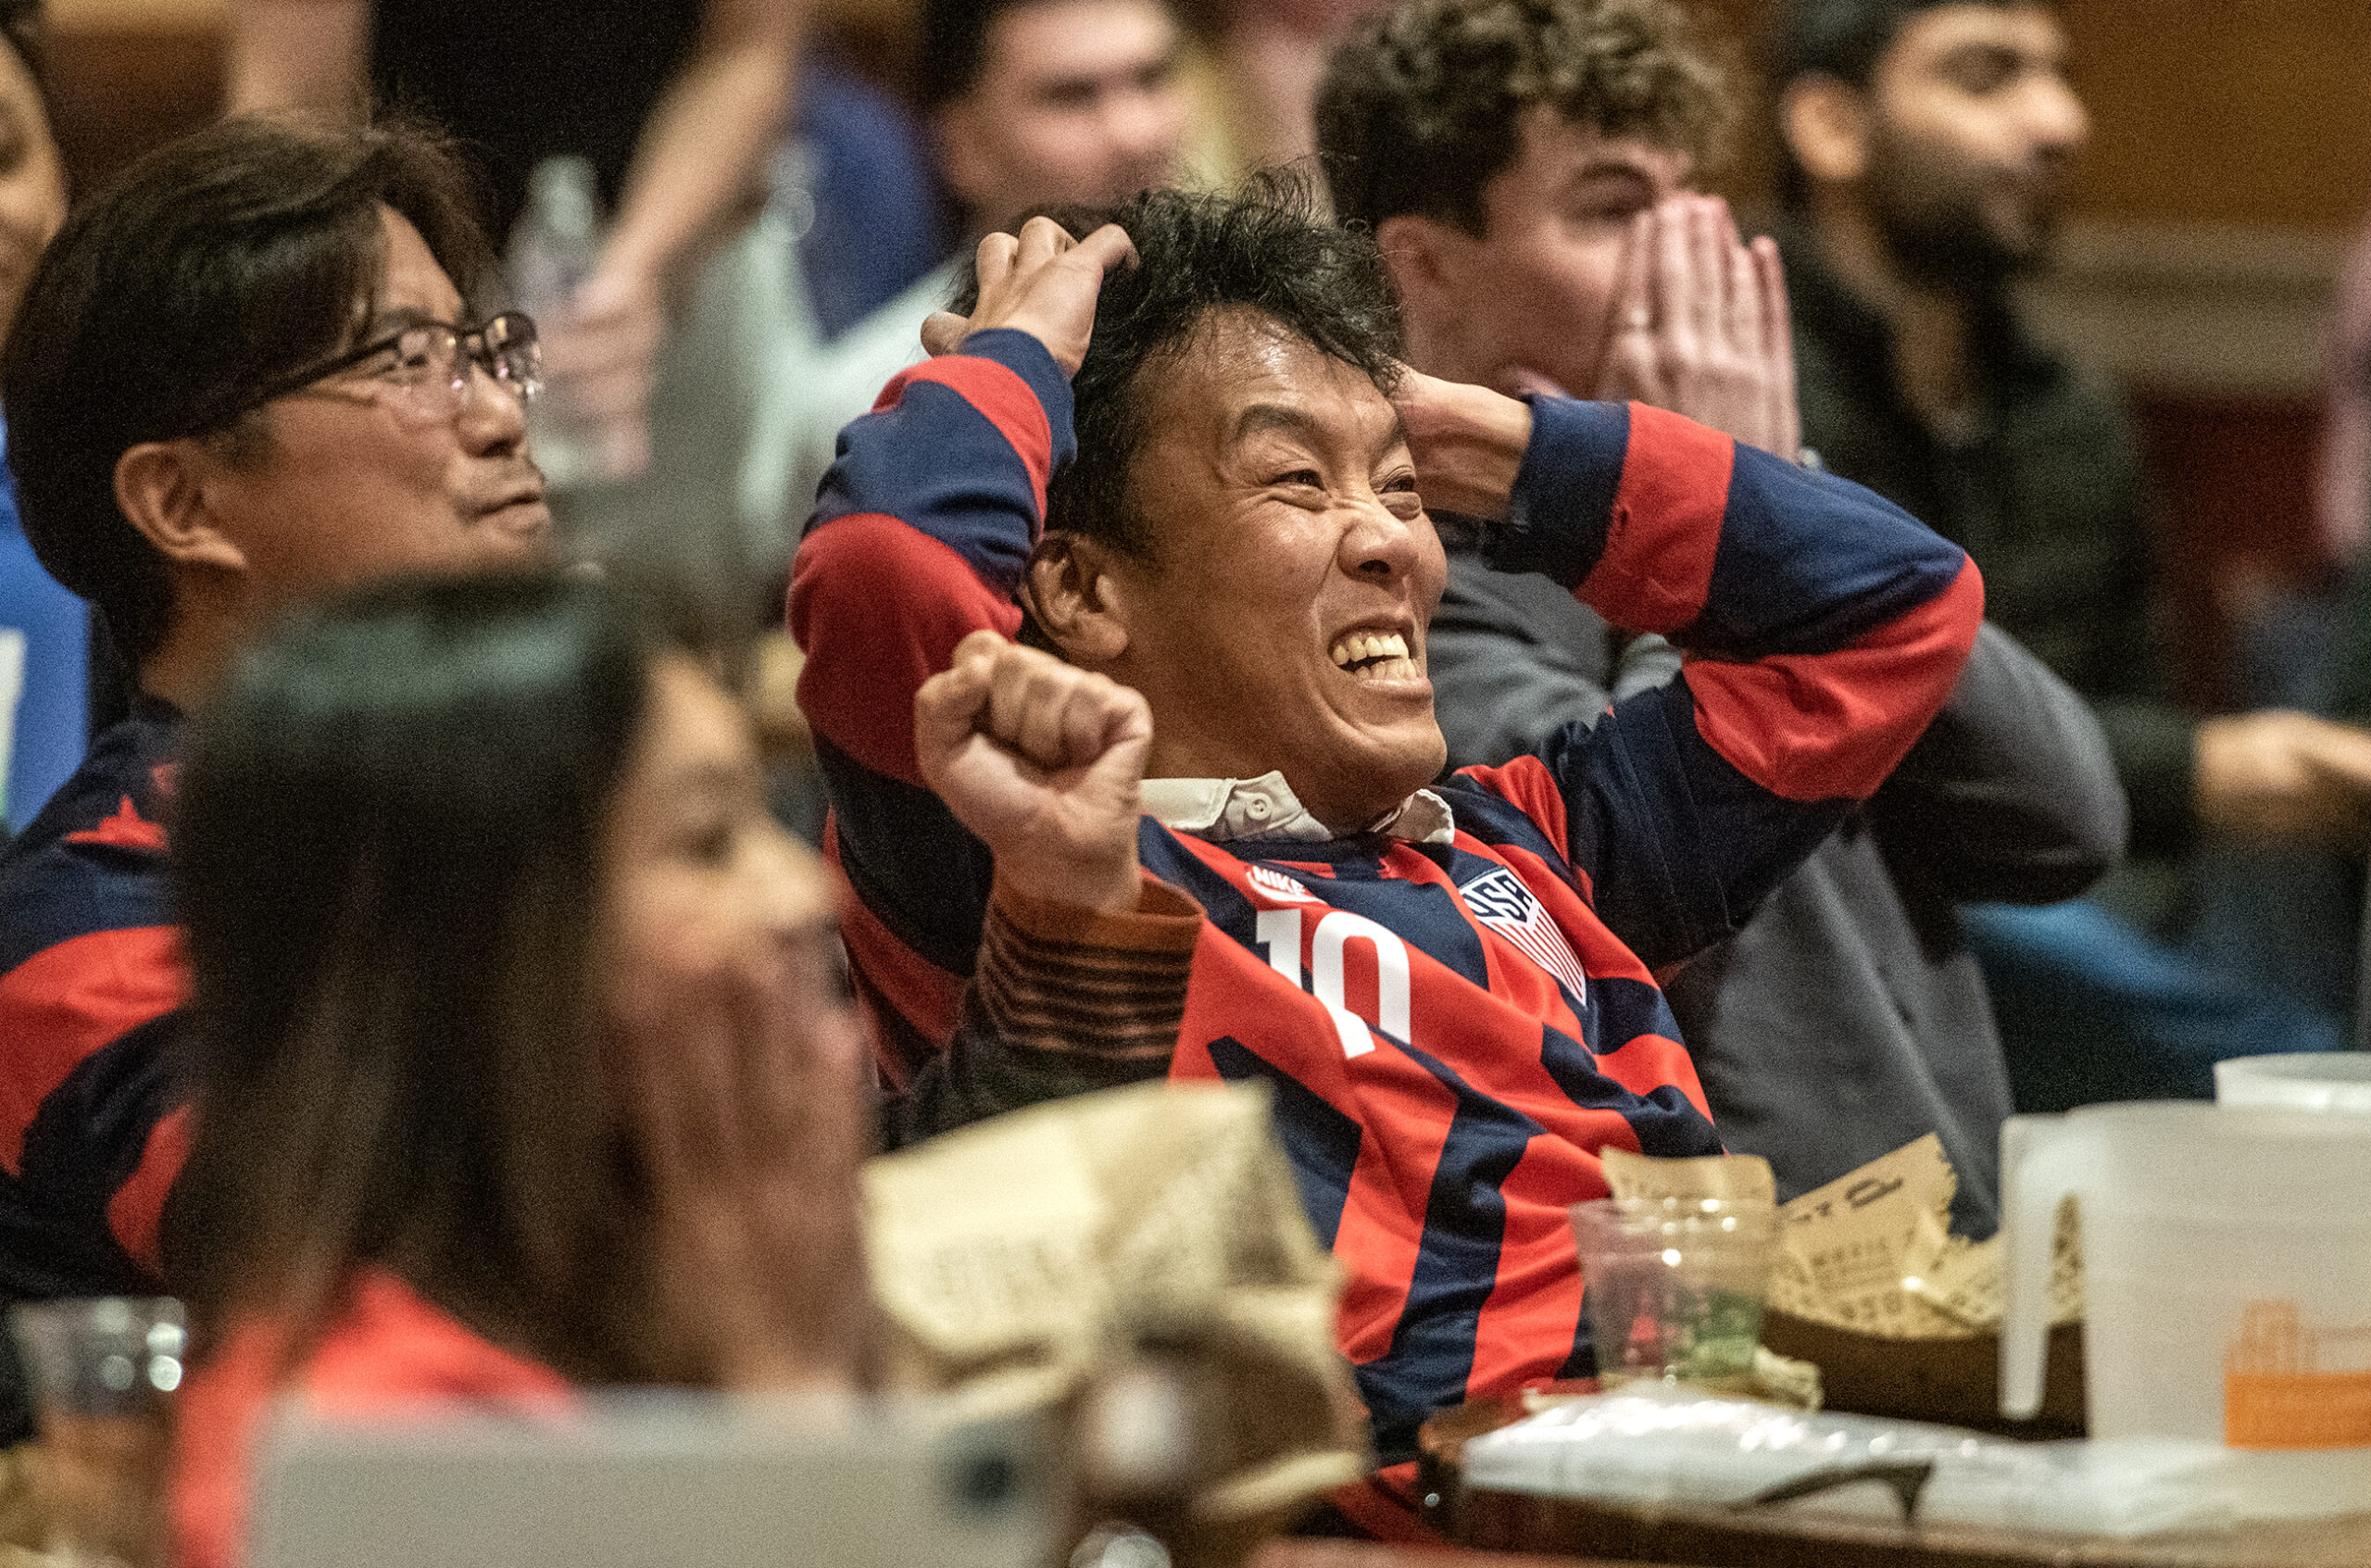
{"x":1361,"y":646}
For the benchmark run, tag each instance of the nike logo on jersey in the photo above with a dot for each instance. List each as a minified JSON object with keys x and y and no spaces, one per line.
{"x":1500,"y":900}
{"x":1276,"y":884}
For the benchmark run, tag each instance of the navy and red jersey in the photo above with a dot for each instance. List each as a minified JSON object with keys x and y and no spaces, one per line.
{"x":92,"y":1117}
{"x":1453,"y":1027}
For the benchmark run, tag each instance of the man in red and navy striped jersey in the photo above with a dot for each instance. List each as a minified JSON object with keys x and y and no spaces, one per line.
{"x":1450,"y":987}
{"x":196,"y":447}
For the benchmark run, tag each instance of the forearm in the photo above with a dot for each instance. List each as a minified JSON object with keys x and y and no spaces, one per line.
{"x":2010,"y":794}
{"x":1825,"y":625}
{"x":705,"y":140}
{"x":302,"y":56}
{"x":1822,"y":628}
{"x":919,"y":537}
{"x":1064,"y":1001}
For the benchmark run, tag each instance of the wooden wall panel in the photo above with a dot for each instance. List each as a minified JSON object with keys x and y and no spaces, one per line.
{"x":2252,"y":113}
{"x":117,"y":92}
{"x":2242,"y":112}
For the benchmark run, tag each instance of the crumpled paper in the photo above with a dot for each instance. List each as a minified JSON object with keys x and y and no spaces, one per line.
{"x":1872,"y":1251}
{"x":1018,"y":1260}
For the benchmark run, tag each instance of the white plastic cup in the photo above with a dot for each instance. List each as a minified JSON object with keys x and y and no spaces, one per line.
{"x":2309,"y":1081}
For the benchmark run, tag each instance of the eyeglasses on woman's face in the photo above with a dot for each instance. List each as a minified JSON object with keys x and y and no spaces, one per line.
{"x":422,"y":370}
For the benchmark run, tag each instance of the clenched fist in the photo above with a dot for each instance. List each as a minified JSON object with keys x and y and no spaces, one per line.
{"x":1044,"y":763}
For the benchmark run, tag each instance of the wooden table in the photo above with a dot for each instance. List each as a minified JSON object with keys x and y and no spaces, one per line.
{"x":1572,"y":1535}
{"x":1717,"y":1539}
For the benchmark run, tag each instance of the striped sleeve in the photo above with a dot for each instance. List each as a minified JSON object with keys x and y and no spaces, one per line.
{"x":1064,"y":1001}
{"x":921,"y":534}
{"x":1822,"y":628}
{"x":94,"y":1116}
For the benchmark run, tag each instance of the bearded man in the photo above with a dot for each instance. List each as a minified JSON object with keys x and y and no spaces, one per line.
{"x":1929,"y":145}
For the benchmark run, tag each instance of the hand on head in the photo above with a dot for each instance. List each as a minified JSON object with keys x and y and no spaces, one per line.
{"x":1044,"y":763}
{"x":1468,"y":441}
{"x":1042,"y":282}
{"x":1700,"y":326}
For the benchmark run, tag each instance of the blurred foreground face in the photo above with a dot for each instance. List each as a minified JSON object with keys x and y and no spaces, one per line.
{"x":717,"y":919}
{"x":1281,"y":622}
{"x":1534,"y":293}
{"x":1078,"y":102}
{"x":353,"y":484}
{"x":33,"y":182}
{"x":1973,"y":129}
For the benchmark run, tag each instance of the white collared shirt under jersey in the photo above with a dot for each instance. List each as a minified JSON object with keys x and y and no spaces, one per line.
{"x":1265,"y":808}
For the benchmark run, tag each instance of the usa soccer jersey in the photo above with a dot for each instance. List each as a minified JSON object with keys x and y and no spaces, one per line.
{"x":94,"y":1122}
{"x":1458,"y":1011}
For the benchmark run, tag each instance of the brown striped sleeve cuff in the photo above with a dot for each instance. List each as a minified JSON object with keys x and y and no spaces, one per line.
{"x":1054,"y":977}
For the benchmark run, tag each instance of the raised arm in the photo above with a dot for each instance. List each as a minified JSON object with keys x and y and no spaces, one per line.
{"x":1085,"y":960}
{"x":918,"y":540}
{"x":1822,"y":628}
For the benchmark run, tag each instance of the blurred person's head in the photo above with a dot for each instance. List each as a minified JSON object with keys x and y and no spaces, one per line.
{"x":1499,"y":150}
{"x":1239,"y":537}
{"x":198,"y":438}
{"x":1945,"y":129}
{"x":458,"y":860}
{"x":1049,"y":102}
{"x":32,"y":177}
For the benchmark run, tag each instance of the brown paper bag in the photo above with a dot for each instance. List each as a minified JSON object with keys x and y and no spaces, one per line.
{"x":1019,"y":1259}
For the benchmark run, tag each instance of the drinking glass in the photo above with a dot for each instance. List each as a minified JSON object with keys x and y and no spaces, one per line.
{"x":1673,"y":1288}
{"x":100,"y":1371}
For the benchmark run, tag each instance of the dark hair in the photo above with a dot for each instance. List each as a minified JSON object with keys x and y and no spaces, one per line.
{"x":1424,"y":105}
{"x":23,"y":28}
{"x":1845,"y":39}
{"x":233,"y":256}
{"x":955,"y":44}
{"x":390,"y":842}
{"x":1262,"y":249}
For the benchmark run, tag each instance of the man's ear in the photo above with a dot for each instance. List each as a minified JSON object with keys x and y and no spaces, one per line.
{"x":1431,"y":262}
{"x":1072,"y":591}
{"x":161,"y":488}
{"x":1825,"y":122}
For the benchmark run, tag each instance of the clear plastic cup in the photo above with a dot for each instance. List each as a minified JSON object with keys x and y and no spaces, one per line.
{"x":100,"y":1371}
{"x":1673,"y":1288}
